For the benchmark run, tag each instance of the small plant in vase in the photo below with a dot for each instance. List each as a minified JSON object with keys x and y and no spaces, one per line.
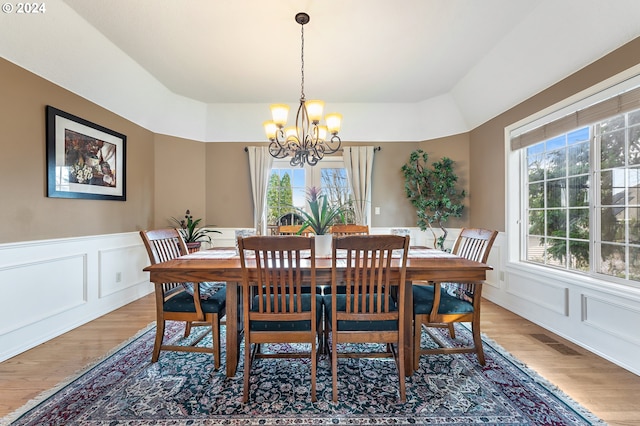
{"x":320,"y":217}
{"x":191,"y":233}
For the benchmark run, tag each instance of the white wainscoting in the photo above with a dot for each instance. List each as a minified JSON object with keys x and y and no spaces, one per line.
{"x":599,"y":316}
{"x":50,"y":287}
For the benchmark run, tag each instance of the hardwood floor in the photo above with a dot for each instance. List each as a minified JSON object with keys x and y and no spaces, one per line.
{"x":605,"y":389}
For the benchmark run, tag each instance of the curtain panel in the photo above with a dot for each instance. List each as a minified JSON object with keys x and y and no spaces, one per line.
{"x":260,"y":162}
{"x":358,"y":162}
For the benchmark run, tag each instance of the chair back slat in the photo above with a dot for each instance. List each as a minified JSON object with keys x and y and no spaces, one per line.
{"x":278,"y":275}
{"x":474,"y":244}
{"x":277,"y":279}
{"x":163,"y":245}
{"x":369,"y":277}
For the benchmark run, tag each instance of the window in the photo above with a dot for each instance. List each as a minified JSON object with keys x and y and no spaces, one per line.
{"x":581,"y":193}
{"x":617,"y":239}
{"x":558,"y":201}
{"x":288,"y":186}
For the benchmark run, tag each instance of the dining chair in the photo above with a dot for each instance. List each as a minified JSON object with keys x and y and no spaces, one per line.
{"x":183,"y":301}
{"x":340,"y":230}
{"x":275,"y":307}
{"x":444,"y":304}
{"x":343,"y":229}
{"x":294,"y":230}
{"x":371,"y":310}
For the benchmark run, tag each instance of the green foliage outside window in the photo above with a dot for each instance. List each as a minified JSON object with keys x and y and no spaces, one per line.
{"x":590,"y":169}
{"x":279,"y":197}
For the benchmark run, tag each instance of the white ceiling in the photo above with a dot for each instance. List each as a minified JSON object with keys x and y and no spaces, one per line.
{"x":206,"y":69}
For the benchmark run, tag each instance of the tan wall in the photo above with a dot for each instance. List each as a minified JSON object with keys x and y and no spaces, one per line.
{"x":26,"y":212}
{"x":180,"y":180}
{"x":487,"y":144}
{"x":166,"y":175}
{"x":229,"y":202}
{"x":388,"y":181}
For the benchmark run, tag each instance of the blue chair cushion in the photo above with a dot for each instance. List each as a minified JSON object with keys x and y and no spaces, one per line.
{"x":287,"y":325}
{"x":423,"y":302}
{"x":341,"y":302}
{"x":183,"y":302}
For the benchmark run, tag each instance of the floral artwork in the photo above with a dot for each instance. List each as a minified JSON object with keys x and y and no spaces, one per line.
{"x":91,"y":161}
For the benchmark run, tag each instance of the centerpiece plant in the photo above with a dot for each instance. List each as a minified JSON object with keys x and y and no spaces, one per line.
{"x":193,"y":234}
{"x":321,"y":214}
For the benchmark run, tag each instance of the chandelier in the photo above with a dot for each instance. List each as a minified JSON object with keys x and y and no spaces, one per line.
{"x":306,"y":142}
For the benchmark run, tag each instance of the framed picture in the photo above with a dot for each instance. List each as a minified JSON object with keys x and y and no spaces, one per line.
{"x":84,"y":159}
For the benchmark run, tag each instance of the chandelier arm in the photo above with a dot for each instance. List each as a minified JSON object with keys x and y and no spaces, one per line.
{"x":333,"y":145}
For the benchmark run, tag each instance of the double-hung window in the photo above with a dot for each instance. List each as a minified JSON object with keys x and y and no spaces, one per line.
{"x":579,"y":206}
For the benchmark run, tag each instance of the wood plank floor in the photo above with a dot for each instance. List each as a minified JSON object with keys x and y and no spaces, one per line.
{"x":605,"y":389}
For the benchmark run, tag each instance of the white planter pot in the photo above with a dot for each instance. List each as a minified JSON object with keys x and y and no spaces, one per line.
{"x":323,"y":245}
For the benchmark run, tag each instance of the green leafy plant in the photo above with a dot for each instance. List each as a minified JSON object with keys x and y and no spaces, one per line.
{"x":322,"y":215}
{"x":190,"y":231}
{"x":432,"y":191}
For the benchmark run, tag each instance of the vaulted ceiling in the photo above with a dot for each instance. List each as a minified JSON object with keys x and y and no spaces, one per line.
{"x":207,"y":69}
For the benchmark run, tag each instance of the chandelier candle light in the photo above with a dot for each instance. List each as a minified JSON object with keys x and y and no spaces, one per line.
{"x":307,"y":141}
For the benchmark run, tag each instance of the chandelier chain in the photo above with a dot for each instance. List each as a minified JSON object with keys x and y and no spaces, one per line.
{"x":302,"y":62}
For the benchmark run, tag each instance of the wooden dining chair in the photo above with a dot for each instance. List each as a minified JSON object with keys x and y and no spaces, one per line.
{"x":275,"y":307}
{"x":372,"y":308}
{"x":294,"y":230}
{"x":183,"y":301}
{"x":443,"y":304}
{"x":343,"y":229}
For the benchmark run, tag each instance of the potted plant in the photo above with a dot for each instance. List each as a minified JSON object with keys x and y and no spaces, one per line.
{"x":432,"y":192}
{"x":191,"y":233}
{"x":320,"y":217}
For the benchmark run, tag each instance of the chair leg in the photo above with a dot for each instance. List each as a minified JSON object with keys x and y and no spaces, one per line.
{"x":334,"y":368}
{"x":215,"y":335}
{"x":247,"y":369}
{"x":452,"y":331}
{"x":477,"y":341}
{"x":158,"y":341}
{"x":314,"y":360}
{"x":187,"y":328}
{"x":325,"y":335}
{"x":401,"y":379}
{"x":417,"y":340}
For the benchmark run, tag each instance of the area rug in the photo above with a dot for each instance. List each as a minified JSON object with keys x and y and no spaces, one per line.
{"x":183,"y":389}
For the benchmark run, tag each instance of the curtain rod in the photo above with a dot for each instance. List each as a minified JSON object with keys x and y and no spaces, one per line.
{"x":377,"y":148}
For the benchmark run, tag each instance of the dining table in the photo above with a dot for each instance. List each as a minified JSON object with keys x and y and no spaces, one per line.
{"x":425,"y":266}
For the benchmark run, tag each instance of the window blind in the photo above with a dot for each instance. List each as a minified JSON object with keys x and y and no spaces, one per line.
{"x":621,"y":103}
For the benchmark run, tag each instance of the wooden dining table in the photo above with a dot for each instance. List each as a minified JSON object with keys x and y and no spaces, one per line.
{"x":424,"y":265}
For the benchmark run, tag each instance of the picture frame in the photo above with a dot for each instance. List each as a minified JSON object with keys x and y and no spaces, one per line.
{"x":84,"y":159}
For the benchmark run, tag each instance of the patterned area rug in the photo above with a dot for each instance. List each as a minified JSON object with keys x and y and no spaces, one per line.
{"x":183,"y":389}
